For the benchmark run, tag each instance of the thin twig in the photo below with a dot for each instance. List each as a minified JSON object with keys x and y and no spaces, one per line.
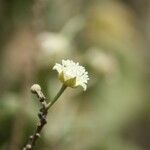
{"x":36,"y":89}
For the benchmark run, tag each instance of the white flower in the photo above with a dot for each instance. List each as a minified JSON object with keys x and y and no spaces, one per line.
{"x":54,"y":43}
{"x":72,"y":74}
{"x":107,"y":64}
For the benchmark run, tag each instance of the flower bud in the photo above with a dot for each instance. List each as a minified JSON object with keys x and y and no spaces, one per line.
{"x":35,"y":88}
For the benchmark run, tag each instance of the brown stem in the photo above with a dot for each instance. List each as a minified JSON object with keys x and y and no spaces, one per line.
{"x":42,"y":116}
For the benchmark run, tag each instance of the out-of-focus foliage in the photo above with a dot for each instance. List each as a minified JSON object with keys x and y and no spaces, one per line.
{"x":110,"y":38}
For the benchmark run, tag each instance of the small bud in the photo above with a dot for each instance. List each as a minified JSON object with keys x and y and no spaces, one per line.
{"x":35,"y":88}
{"x":28,"y":147}
{"x":31,"y":137}
{"x":37,"y":135}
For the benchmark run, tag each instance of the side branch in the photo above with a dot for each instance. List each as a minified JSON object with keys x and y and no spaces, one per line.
{"x":36,"y":89}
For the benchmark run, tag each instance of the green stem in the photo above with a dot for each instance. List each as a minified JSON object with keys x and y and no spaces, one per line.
{"x":57,"y":96}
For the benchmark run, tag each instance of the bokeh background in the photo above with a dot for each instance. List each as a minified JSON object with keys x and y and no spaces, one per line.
{"x":111,"y":38}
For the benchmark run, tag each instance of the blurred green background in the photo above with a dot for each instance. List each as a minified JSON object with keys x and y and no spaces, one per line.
{"x":111,"y":38}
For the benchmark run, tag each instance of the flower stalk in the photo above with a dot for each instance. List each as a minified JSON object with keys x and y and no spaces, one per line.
{"x":57,"y":96}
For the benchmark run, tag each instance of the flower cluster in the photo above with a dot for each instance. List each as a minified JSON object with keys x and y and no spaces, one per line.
{"x":72,"y":74}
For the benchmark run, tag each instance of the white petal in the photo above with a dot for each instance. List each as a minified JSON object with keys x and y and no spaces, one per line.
{"x":84,"y":86}
{"x":58,"y":67}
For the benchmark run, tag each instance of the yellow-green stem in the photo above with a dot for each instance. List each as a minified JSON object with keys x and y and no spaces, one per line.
{"x":57,"y":96}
